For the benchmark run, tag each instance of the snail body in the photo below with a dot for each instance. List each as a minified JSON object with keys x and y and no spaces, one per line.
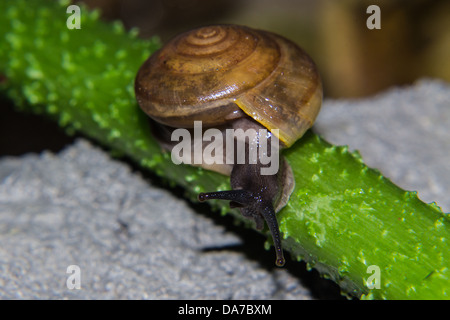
{"x":235,"y":77}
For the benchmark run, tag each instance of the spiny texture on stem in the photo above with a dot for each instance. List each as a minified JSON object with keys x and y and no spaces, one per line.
{"x":342,"y":218}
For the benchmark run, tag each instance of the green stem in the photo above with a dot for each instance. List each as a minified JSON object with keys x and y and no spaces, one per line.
{"x":342,"y":218}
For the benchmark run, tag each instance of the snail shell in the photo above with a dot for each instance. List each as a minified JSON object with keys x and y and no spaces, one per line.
{"x":215,"y":73}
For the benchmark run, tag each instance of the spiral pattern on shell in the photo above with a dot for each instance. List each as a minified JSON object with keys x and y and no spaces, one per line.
{"x":214,"y":73}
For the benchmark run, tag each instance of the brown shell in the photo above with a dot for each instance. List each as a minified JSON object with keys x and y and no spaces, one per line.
{"x":212,"y":73}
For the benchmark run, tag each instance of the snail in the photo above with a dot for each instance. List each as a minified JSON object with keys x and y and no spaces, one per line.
{"x":235,"y":77}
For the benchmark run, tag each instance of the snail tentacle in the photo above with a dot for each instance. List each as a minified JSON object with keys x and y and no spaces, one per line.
{"x":271,"y":219}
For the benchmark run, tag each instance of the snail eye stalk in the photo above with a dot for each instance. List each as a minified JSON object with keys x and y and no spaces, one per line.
{"x":252,"y":207}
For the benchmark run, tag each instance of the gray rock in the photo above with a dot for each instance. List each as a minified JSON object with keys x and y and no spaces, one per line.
{"x":131,"y":240}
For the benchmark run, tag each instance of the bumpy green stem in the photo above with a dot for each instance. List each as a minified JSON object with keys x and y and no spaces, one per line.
{"x":344,"y":219}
